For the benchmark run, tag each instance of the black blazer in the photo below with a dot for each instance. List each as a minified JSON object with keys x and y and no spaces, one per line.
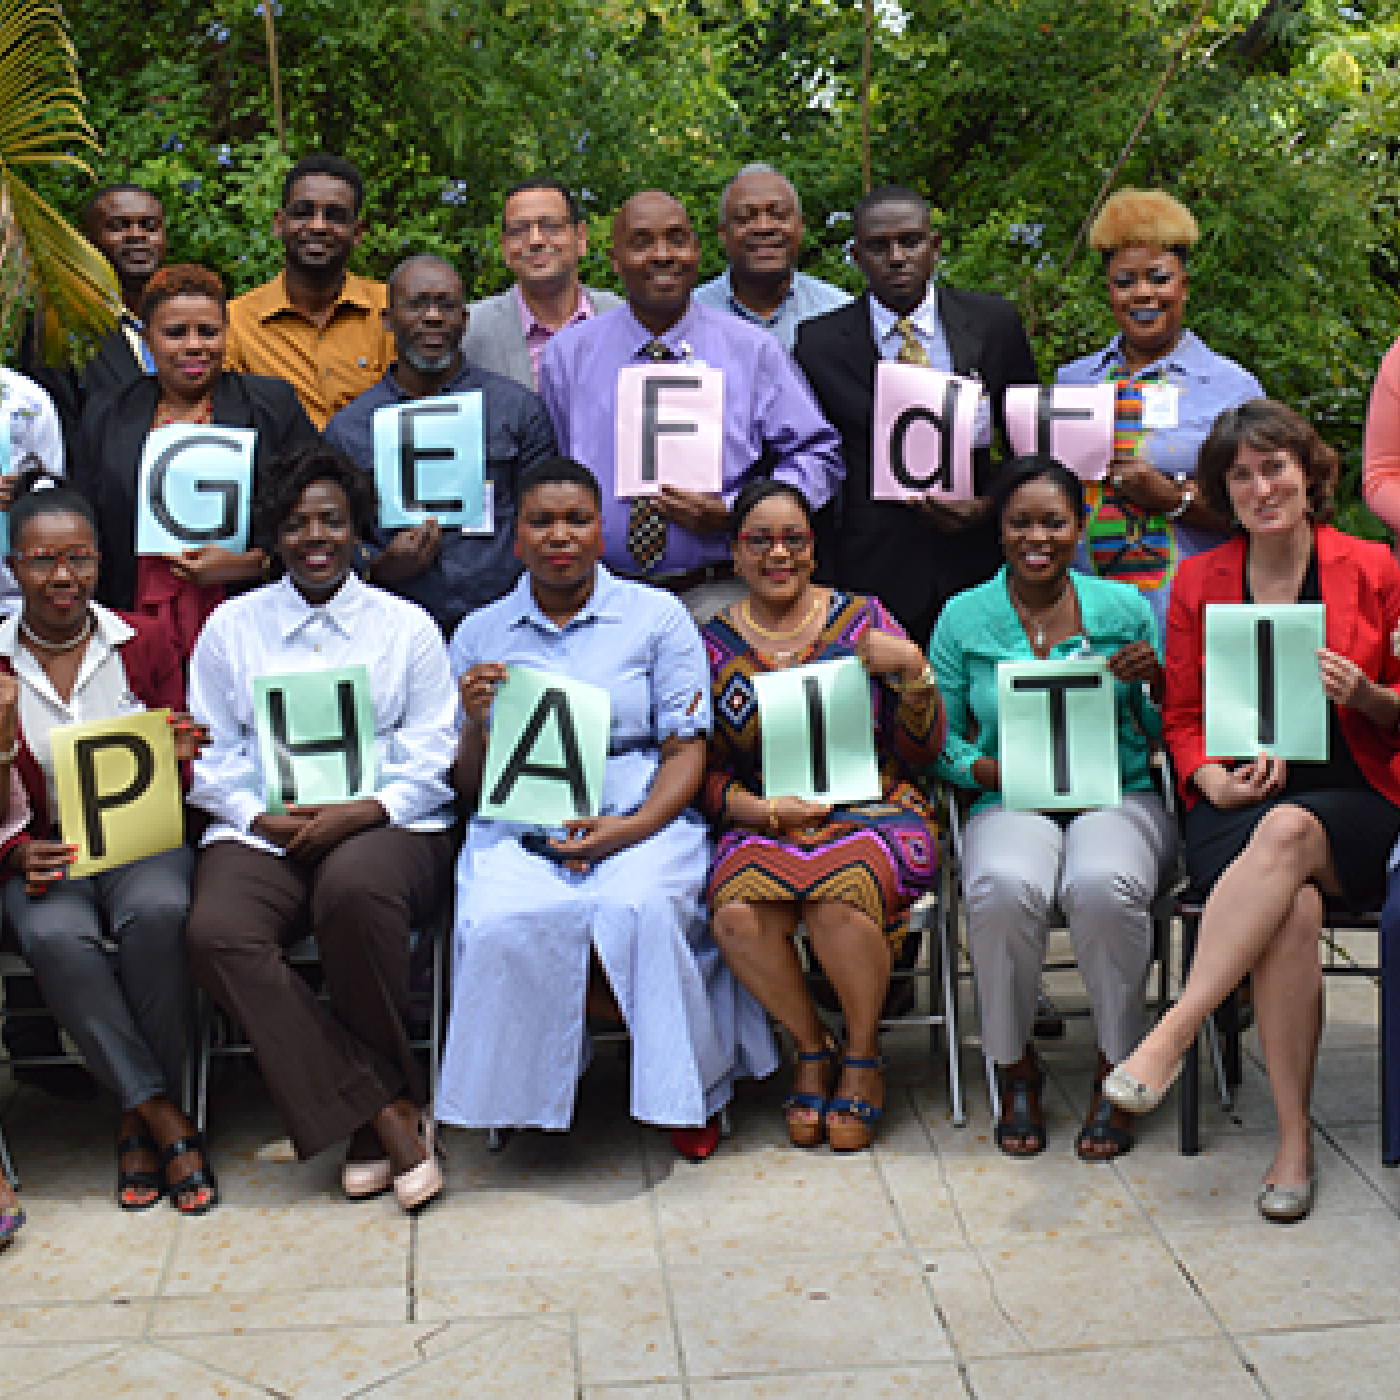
{"x":884,"y":547}
{"x":107,"y":462}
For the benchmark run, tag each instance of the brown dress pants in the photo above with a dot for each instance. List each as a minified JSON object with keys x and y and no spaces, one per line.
{"x":330,"y":1069}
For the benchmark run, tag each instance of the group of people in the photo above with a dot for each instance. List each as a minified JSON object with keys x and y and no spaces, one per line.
{"x":673,"y":911}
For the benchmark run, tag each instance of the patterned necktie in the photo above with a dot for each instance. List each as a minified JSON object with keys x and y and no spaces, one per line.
{"x":646,"y":526}
{"x":912,"y":351}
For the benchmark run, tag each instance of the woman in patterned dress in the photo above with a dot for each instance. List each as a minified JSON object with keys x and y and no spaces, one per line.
{"x":849,"y":873}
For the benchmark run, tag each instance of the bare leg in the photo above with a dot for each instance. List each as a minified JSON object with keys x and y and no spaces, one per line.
{"x":1247,"y":910}
{"x":855,"y":955}
{"x":1288,"y":992}
{"x":756,"y":940}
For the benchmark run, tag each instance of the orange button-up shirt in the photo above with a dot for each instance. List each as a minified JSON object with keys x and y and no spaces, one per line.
{"x":327,"y":366}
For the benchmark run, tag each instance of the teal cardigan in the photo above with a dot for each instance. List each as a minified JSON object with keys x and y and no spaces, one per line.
{"x":979,"y":627}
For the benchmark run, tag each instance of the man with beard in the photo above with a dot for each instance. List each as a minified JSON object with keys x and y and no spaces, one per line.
{"x":451,"y":571}
{"x":315,"y":325}
{"x":760,"y":225}
{"x":127,"y":226}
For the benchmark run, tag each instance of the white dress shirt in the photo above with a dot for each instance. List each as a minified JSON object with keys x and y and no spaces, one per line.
{"x":928,"y":330}
{"x":273,"y":630}
{"x":101,"y":690}
{"x":28,"y":428}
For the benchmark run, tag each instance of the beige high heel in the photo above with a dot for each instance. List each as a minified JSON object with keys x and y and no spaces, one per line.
{"x":419,"y":1184}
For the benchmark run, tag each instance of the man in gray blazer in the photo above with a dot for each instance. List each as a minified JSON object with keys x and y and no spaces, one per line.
{"x":543,"y":236}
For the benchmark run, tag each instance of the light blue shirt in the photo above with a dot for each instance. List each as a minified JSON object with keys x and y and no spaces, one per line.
{"x":1207,"y":384}
{"x":634,"y":641}
{"x":806,"y":297}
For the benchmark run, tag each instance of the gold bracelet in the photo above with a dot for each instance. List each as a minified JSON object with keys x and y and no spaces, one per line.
{"x":925,"y":681}
{"x":772,"y":816}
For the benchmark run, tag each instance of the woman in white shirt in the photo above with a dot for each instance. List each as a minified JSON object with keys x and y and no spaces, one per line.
{"x":356,"y":874}
{"x":66,"y":660}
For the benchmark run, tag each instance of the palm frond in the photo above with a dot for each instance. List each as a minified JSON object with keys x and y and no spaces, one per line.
{"x":42,"y":124}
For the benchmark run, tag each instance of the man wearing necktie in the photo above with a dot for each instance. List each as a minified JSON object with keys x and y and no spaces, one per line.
{"x":912,"y":556}
{"x":771,"y":424}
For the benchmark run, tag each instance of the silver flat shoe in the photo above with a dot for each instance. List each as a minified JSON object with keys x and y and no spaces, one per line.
{"x":1285,"y":1205}
{"x":1128,"y":1092}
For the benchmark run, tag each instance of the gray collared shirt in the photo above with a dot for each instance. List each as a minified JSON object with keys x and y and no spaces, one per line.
{"x":806,"y":297}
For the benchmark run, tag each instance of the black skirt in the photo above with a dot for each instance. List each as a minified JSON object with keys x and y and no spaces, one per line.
{"x":1361,"y":827}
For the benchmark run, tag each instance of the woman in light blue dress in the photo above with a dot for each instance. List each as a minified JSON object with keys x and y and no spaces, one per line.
{"x":614,"y":908}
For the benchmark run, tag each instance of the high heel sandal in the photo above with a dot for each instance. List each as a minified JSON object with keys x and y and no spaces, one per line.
{"x":138,"y":1181}
{"x":419,"y":1184}
{"x":851,"y":1120}
{"x":200,"y":1179}
{"x":810,"y":1134}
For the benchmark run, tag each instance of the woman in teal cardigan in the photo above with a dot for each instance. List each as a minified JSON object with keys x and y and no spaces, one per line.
{"x":1100,"y":868}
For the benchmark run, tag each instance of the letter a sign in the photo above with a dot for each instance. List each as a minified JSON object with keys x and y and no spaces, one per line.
{"x":548,"y":749}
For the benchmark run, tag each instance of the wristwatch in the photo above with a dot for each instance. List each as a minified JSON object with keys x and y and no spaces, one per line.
{"x":1188,"y":499}
{"x":926,"y":681}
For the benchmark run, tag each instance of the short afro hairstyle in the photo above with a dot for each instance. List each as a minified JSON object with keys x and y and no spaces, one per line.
{"x":320,"y":163}
{"x":1144,"y":219}
{"x":556,"y":471}
{"x":182,"y":280}
{"x":286,"y":476}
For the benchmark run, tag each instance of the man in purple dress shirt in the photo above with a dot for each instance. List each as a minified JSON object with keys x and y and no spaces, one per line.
{"x":772,"y":425}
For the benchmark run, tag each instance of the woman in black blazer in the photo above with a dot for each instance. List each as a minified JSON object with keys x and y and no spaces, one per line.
{"x":185,"y":316}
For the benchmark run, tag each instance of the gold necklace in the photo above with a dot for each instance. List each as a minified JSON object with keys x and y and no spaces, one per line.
{"x":747,"y":613}
{"x":1028,"y":619}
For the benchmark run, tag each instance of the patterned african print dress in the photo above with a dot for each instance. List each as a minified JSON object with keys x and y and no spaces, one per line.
{"x":877,"y":856}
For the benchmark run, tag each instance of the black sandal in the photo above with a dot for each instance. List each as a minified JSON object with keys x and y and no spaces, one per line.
{"x":1100,"y":1129}
{"x":138,"y":1181}
{"x":200,"y":1179}
{"x":1020,"y":1124}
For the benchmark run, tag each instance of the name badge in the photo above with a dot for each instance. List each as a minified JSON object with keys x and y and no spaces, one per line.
{"x":1159,"y":405}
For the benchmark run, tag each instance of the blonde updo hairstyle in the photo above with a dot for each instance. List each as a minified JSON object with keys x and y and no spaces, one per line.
{"x":1144,"y":219}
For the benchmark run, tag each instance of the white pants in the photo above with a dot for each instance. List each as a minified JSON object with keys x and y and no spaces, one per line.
{"x":1101,"y":871}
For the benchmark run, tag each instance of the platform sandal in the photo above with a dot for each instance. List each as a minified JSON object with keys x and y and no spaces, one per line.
{"x":850,"y":1121}
{"x":200,"y":1179}
{"x":803,"y":1133}
{"x":129,"y":1181}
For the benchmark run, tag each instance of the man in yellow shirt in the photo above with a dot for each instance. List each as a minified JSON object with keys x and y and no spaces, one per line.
{"x":315,"y":325}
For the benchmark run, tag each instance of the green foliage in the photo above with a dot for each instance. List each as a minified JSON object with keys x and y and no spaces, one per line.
{"x":1281,"y":130}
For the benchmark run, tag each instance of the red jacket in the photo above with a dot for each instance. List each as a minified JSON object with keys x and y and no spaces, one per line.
{"x":1360,"y":584}
{"x":153,"y":674}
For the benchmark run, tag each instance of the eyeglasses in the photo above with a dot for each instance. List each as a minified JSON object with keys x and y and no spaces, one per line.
{"x":552,"y":227}
{"x":421,"y":305}
{"x":303,"y":211}
{"x":44,"y":561}
{"x":765,"y":541}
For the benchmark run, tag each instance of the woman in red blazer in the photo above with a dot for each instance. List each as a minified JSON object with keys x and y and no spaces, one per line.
{"x":66,"y":660}
{"x":1267,"y":840}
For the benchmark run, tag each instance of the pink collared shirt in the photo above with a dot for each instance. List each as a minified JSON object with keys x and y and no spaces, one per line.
{"x":537,"y":334}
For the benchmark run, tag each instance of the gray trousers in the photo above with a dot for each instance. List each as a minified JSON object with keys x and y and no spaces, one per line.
{"x":127,"y":1015}
{"x":1101,"y":871}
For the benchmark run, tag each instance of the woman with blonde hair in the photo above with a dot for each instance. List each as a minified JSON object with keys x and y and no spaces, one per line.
{"x":1147,"y":514}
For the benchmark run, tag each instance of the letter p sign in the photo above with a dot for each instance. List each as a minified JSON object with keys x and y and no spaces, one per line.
{"x":118,"y":789}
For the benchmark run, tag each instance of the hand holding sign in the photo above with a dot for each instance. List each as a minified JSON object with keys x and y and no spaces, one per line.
{"x":195,"y":488}
{"x":1263,"y":688}
{"x":670,"y":429}
{"x":1058,"y":735}
{"x":549,"y":747}
{"x":315,"y":736}
{"x":818,"y":735}
{"x":924,"y":426}
{"x":118,"y":789}
{"x":429,"y":460}
{"x":1072,"y":423}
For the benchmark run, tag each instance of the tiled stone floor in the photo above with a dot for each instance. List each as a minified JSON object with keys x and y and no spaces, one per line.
{"x":599,"y":1265}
